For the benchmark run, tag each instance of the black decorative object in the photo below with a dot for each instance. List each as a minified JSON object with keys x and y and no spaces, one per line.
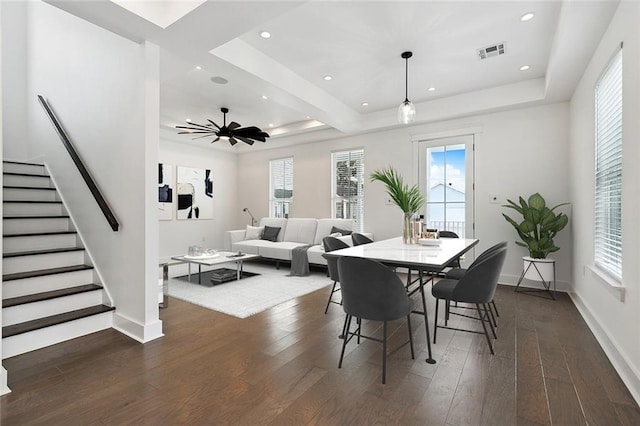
{"x":406,"y":110}
{"x":253,"y":219}
{"x":233,"y":132}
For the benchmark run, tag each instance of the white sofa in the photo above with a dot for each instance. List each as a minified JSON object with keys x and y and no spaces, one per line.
{"x":294,"y":232}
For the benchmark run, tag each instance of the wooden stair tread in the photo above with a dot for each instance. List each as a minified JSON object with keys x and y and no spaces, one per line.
{"x":38,"y":234}
{"x":24,"y":163}
{"x":43,"y":272}
{"x":24,"y":327}
{"x":48,"y":295}
{"x":36,"y":252}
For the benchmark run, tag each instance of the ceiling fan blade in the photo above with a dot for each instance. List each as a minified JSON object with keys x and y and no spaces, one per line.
{"x":204,"y":136}
{"x":215,"y":140}
{"x":232,"y":141}
{"x":196,"y":127}
{"x":191,"y":132}
{"x":245,"y":140}
{"x":233,"y":125}
{"x":213,"y":123}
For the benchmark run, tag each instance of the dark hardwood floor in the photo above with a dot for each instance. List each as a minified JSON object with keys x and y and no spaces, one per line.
{"x":280,"y":367}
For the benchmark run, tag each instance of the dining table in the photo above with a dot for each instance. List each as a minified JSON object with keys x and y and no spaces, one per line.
{"x":428,"y":258}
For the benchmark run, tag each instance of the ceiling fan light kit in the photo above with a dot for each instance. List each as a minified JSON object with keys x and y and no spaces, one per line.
{"x":406,"y":110}
{"x":232,"y":133}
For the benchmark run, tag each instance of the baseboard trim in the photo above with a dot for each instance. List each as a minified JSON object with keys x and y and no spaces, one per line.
{"x":143,"y":333}
{"x":4,"y":389}
{"x":512,"y":280}
{"x":629,"y":375}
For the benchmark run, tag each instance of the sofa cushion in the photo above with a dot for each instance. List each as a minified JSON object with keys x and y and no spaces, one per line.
{"x":275,"y":222}
{"x":342,"y":232}
{"x":300,"y":230}
{"x":314,"y":254}
{"x":282,"y":250}
{"x":270,"y":233}
{"x":325,"y":225}
{"x":249,"y":246}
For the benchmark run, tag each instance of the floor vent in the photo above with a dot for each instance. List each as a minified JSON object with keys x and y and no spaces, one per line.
{"x":490,"y":51}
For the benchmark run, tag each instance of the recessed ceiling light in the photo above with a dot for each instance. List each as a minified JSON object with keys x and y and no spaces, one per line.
{"x":365,"y":104}
{"x":431,"y":89}
{"x":527,"y":16}
{"x":327,"y":77}
{"x":524,"y":67}
{"x":308,"y":117}
{"x":198,"y":67}
{"x":219,"y":80}
{"x":265,"y":34}
{"x":264,"y":97}
{"x":188,"y":120}
{"x":270,"y":124}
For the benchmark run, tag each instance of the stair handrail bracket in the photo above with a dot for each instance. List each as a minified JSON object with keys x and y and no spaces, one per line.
{"x":91,"y":184}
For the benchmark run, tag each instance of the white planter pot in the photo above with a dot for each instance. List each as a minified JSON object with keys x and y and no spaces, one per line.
{"x":539,"y":269}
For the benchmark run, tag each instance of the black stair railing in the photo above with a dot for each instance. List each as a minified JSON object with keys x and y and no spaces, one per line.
{"x":95,"y":191}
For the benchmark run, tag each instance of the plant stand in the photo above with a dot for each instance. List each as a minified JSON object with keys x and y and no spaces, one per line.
{"x":533,"y":271}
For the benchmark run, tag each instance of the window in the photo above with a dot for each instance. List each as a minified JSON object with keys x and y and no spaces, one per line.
{"x":608,"y":170}
{"x":347,"y":201}
{"x":281,"y":187}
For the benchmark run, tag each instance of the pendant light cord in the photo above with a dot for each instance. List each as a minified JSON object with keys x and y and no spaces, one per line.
{"x":406,"y":79}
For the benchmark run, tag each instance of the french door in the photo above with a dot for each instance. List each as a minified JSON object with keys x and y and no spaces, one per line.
{"x":445,"y":172}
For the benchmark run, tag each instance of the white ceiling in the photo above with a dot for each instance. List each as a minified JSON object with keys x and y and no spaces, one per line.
{"x":359,"y":44}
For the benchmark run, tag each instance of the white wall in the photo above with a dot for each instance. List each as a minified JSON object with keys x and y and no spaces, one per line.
{"x":3,"y":373}
{"x":615,"y":323}
{"x":517,"y":153}
{"x":177,"y":235}
{"x":97,"y":83}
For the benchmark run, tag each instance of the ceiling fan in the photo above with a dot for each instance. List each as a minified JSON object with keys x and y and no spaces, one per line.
{"x":232,"y":133}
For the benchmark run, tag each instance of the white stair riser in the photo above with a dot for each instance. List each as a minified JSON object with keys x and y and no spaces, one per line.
{"x":31,"y":181}
{"x":26,"y":342}
{"x":12,"y":265}
{"x":27,"y":226}
{"x":23,"y":287}
{"x":21,"y":313}
{"x":39,"y":242}
{"x":36,"y":169}
{"x":32,"y":209}
{"x":20,"y":194}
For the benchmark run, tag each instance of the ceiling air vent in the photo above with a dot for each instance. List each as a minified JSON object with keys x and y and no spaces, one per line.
{"x":493,"y":50}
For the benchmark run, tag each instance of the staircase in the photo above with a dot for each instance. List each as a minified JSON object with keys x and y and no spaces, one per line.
{"x":50,"y":291}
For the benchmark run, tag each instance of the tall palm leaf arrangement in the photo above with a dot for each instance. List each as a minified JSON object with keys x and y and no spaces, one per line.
{"x":409,"y":199}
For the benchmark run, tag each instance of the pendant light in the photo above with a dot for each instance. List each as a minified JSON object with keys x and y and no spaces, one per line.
{"x":406,"y":110}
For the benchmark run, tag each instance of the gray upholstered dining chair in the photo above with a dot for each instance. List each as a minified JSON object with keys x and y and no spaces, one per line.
{"x":331,"y":244}
{"x":359,"y":239}
{"x":477,"y":286}
{"x":372,"y":291}
{"x":457,"y":273}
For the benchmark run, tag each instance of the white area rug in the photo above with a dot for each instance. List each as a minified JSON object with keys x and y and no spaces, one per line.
{"x":251,"y":295}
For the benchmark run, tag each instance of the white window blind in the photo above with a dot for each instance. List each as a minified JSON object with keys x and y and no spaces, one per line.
{"x":347,"y":201}
{"x":281,"y":187}
{"x":608,"y":170}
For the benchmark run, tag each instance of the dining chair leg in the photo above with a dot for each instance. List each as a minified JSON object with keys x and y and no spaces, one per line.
{"x":410,"y":336}
{"x":484,"y":327}
{"x":384,"y":352}
{"x":495,"y":307}
{"x":333,"y":289}
{"x":486,"y":312}
{"x":347,"y":325}
{"x":446,"y":311}
{"x":359,"y":321}
{"x":435,"y":322}
{"x":493,"y":319}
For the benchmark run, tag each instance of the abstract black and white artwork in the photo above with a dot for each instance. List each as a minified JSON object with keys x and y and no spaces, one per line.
{"x":165,"y":191}
{"x":195,"y":193}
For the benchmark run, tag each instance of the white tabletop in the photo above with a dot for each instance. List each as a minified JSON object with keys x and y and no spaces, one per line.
{"x":415,"y":255}
{"x":222,"y":257}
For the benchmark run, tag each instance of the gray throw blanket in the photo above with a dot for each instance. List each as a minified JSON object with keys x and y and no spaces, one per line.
{"x":299,"y":262}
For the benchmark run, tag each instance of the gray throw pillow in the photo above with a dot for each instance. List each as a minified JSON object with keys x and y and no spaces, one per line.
{"x":270,"y":233}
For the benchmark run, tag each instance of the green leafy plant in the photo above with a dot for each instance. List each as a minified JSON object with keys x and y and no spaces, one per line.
{"x":409,"y":199}
{"x":539,"y":225}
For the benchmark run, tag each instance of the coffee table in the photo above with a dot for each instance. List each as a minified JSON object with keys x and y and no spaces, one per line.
{"x":220,"y":258}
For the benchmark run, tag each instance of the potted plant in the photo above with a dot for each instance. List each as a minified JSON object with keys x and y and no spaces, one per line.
{"x":537,"y":227}
{"x":409,"y":199}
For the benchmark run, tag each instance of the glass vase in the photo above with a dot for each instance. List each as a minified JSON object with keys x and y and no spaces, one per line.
{"x":407,"y":229}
